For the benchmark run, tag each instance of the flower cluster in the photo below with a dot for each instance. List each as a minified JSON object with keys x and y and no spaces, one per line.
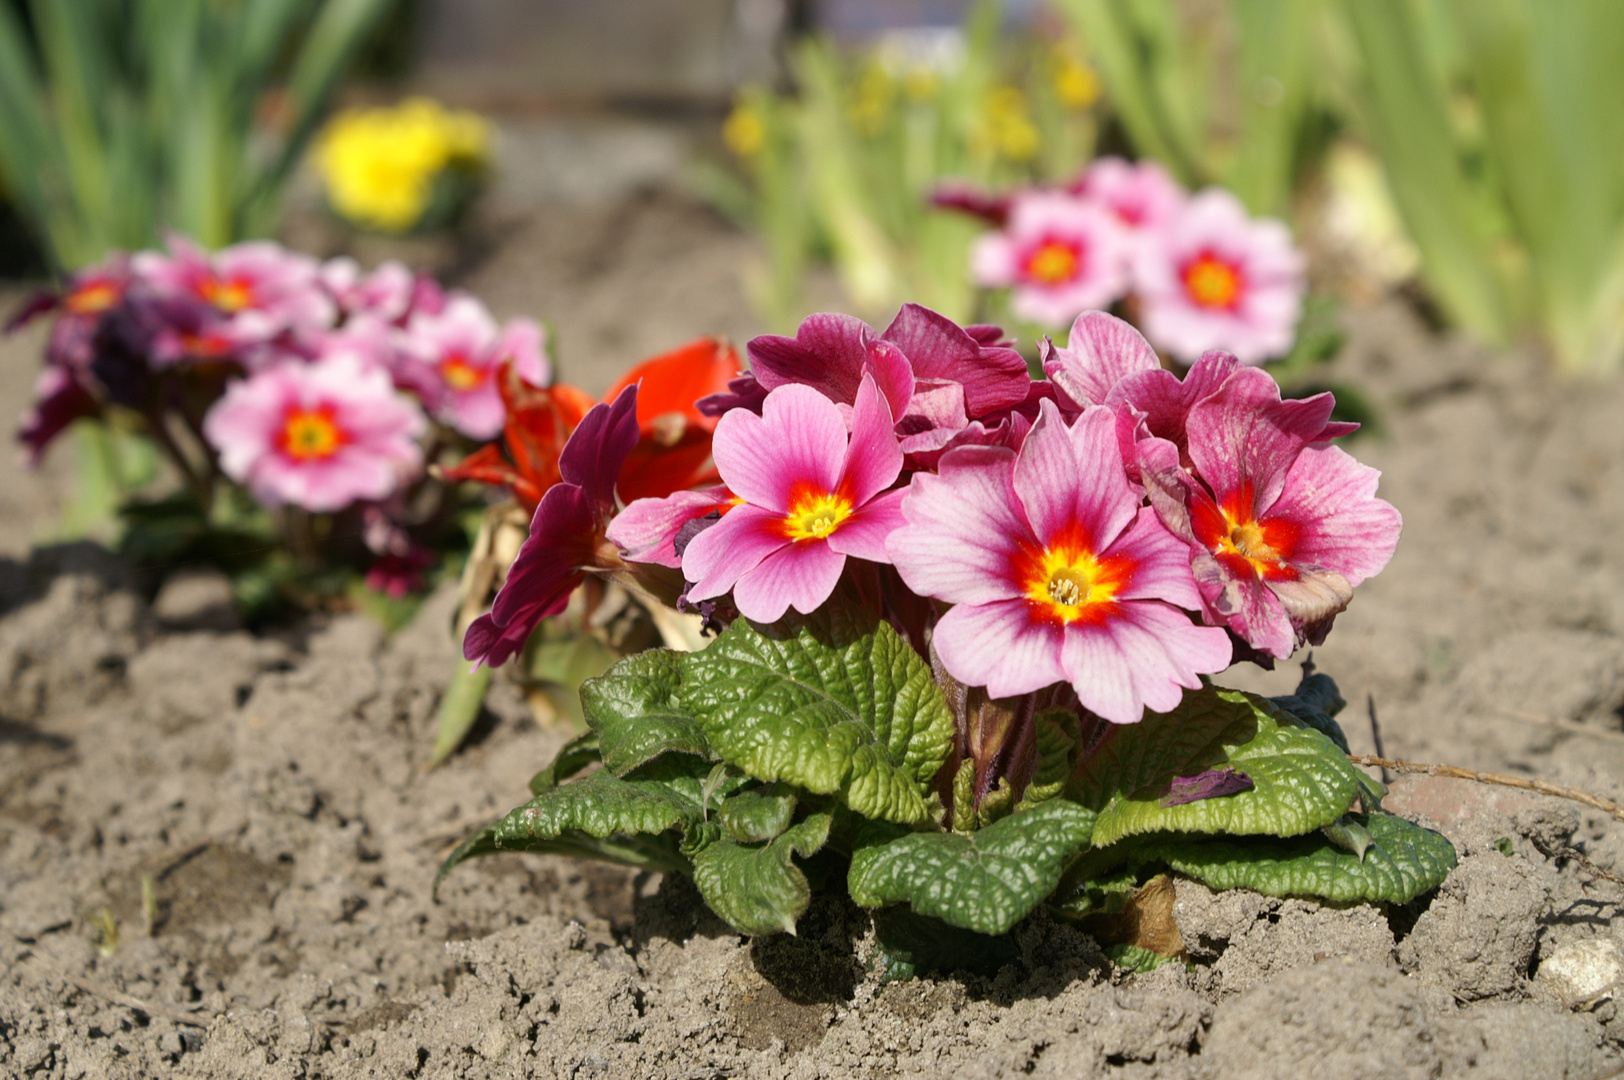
{"x":380,"y":166}
{"x":310,"y":384}
{"x":1203,"y":273}
{"x":1113,"y":532}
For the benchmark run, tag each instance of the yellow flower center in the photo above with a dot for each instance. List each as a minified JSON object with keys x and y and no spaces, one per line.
{"x":229,"y":296}
{"x":1053,"y":263}
{"x":311,"y":435}
{"x":813,"y":515}
{"x":1211,"y":282}
{"x":1069,"y":583}
{"x":460,"y":375}
{"x":95,"y":297}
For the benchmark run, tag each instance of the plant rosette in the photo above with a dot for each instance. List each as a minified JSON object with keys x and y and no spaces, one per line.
{"x":970,"y":679}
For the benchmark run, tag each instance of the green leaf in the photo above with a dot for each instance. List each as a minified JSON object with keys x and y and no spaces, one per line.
{"x":1301,"y":781}
{"x":1136,"y":958}
{"x":634,"y":710}
{"x":576,"y":755}
{"x":1404,"y":861}
{"x":986,"y":882}
{"x":757,"y":813}
{"x":757,"y":889}
{"x":833,"y":705}
{"x":1056,"y":750}
{"x":464,"y":697}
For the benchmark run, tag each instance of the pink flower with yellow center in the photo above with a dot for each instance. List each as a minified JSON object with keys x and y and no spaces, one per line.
{"x":451,"y":357}
{"x":320,"y":435}
{"x":810,"y":495}
{"x":1059,"y":253}
{"x":1214,"y":278}
{"x":1141,"y":194}
{"x":1056,"y":572}
{"x":1282,"y":526}
{"x":251,"y":294}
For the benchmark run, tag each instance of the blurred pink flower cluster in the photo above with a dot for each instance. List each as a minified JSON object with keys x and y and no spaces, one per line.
{"x":1115,"y":531}
{"x":1203,"y":274}
{"x":311,"y":384}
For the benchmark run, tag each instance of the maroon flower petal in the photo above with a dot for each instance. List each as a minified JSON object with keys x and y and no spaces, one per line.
{"x":1211,"y":784}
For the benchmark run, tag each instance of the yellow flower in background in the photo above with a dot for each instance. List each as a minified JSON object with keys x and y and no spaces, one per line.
{"x":1009,"y":126}
{"x":1075,"y":83}
{"x":743,"y":131}
{"x":379,"y":165}
{"x":921,"y":84}
{"x":872,"y":99}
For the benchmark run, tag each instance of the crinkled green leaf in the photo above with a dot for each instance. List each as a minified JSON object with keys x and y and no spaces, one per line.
{"x":1404,"y":861}
{"x":757,"y":813}
{"x":576,"y":755}
{"x":985,"y":882}
{"x":834,"y":705}
{"x":758,"y":889}
{"x":633,"y":708}
{"x":1056,"y":731}
{"x":1300,"y":780}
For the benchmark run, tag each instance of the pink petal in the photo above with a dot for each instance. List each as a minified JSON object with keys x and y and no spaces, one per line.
{"x":1246,"y":605}
{"x":1161,"y":563}
{"x":1144,"y":656}
{"x":863,"y":535}
{"x":717,"y":557}
{"x":872,"y":460}
{"x":1243,"y":438}
{"x":1101,"y":351}
{"x":826,"y":353}
{"x":1071,"y":483}
{"x":994,"y":377}
{"x":598,"y":447}
{"x":1341,"y":525}
{"x":890,"y":370}
{"x":646,"y":531}
{"x":964,"y":528}
{"x":799,"y":438}
{"x":1000,"y":646}
{"x":799,"y":575}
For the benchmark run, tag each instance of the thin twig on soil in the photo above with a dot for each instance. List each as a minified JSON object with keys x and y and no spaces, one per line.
{"x":1568,"y":851}
{"x":129,"y":1001}
{"x":1607,"y":806}
{"x":1375,"y":728}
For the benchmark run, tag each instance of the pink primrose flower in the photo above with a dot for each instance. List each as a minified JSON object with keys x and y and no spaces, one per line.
{"x":1213,"y":278}
{"x":385,"y":293}
{"x":1060,"y":254}
{"x":647,"y":531}
{"x":450,"y":360}
{"x":1142,"y":195}
{"x":935,"y":375}
{"x":1281,"y":526}
{"x":566,"y":534}
{"x":319,"y":435}
{"x":252,"y":293}
{"x":810,"y":495}
{"x":1056,"y":573}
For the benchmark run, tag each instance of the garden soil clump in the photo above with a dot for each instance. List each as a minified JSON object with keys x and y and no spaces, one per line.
{"x":216,"y":848}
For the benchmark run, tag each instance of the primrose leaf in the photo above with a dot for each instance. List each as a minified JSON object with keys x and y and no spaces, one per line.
{"x":634,"y":710}
{"x":1301,"y":781}
{"x":757,"y":813}
{"x":1136,"y":958}
{"x":1403,"y":861}
{"x":831,"y":704}
{"x":1056,"y":741}
{"x":757,"y":889}
{"x":986,"y":882}
{"x":576,"y":755}
{"x":908,"y":944}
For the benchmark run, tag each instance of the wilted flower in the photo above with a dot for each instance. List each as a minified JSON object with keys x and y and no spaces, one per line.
{"x":319,"y":435}
{"x":451,"y":358}
{"x":1060,"y":254}
{"x":1213,"y":278}
{"x":1056,"y":573}
{"x":810,"y":495}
